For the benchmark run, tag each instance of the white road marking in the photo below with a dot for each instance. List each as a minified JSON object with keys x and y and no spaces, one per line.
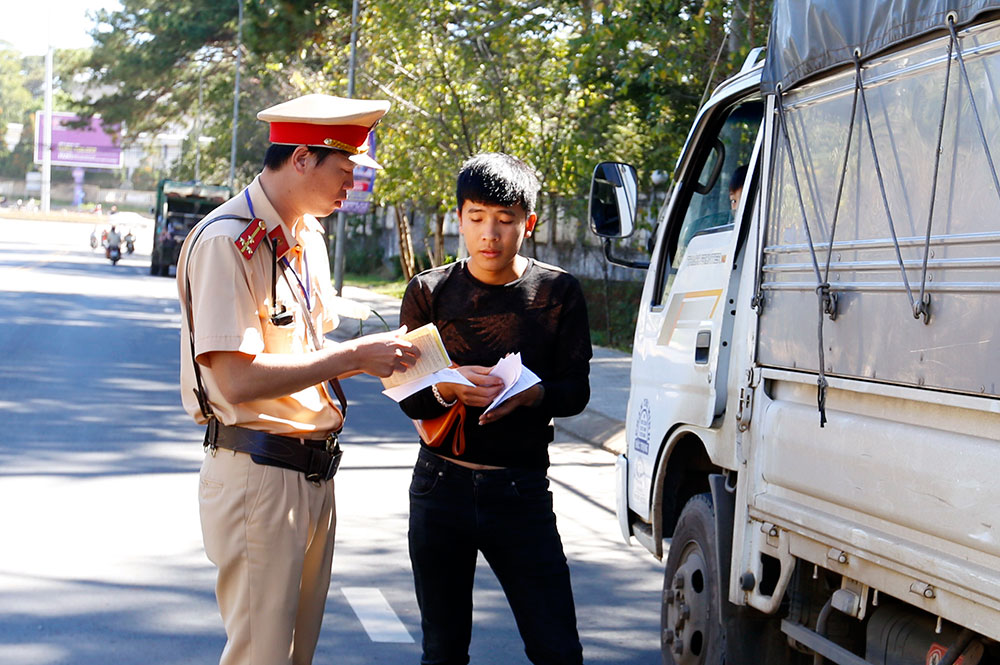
{"x":375,"y":614}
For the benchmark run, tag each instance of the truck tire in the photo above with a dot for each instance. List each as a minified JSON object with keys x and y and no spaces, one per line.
{"x":691,"y":619}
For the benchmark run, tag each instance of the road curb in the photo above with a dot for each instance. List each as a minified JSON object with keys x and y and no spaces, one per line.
{"x":596,"y":429}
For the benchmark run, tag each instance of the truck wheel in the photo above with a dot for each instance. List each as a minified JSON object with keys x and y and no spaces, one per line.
{"x":691,"y":620}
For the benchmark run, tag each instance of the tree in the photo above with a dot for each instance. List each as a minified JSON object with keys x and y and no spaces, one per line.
{"x":15,"y":98}
{"x":655,"y":60}
{"x":22,"y":93}
{"x":151,"y":60}
{"x":559,"y":83}
{"x":483,"y":76}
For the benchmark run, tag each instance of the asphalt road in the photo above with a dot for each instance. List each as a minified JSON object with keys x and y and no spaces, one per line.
{"x":100,"y":546}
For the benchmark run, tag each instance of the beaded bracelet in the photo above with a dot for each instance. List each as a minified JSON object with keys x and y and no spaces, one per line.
{"x":437,"y":396}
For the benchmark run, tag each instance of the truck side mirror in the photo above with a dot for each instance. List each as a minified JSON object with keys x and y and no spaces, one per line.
{"x":613,"y":194}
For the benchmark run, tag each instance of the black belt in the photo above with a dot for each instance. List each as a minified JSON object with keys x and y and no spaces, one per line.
{"x":318,"y":459}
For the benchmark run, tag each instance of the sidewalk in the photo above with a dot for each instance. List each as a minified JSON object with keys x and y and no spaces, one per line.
{"x":601,"y":424}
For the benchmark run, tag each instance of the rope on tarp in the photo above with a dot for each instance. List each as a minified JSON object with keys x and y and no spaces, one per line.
{"x":826,"y":299}
{"x":881,"y":181}
{"x":831,"y":303}
{"x":922,"y":308}
{"x":972,"y":103}
{"x":822,"y":287}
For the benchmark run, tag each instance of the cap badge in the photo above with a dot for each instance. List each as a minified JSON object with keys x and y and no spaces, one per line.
{"x":340,"y":145}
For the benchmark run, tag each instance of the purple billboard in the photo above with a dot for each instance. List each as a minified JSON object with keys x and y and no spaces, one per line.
{"x":90,"y":146}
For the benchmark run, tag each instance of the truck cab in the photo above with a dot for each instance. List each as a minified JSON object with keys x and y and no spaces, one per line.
{"x":179,"y":207}
{"x":684,"y":329}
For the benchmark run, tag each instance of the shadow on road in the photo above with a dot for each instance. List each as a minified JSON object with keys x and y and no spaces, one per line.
{"x":105,"y":399}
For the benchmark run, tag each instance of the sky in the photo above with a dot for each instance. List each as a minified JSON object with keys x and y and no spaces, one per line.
{"x":29,"y":26}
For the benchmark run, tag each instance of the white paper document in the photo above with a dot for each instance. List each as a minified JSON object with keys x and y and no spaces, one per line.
{"x":433,"y":357}
{"x":515,"y":376}
{"x":402,"y":391}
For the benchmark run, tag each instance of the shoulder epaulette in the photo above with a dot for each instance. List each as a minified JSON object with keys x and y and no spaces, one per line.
{"x":248,"y":241}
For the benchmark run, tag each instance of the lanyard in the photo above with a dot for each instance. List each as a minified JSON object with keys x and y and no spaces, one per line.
{"x":334,"y":384}
{"x":305,"y":286}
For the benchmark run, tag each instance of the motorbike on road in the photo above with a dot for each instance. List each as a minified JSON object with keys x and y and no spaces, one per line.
{"x":129,"y":243}
{"x":113,"y":245}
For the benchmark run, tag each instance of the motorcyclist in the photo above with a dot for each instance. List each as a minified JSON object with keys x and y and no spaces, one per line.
{"x":114,"y":239}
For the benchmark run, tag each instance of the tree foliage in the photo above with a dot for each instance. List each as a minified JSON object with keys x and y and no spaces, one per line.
{"x":16,"y":97}
{"x":22,"y":93}
{"x":152,"y":62}
{"x":654,"y":61}
{"x":472,"y":77}
{"x":560,"y":83}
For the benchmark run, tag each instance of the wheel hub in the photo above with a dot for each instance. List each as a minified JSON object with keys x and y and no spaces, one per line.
{"x":688,"y":609}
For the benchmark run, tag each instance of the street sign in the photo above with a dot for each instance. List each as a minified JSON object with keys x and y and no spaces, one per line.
{"x":359,"y":198}
{"x":90,"y":146}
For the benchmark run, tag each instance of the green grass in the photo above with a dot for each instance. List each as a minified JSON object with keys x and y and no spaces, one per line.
{"x":388,"y":287}
{"x":612,"y":309}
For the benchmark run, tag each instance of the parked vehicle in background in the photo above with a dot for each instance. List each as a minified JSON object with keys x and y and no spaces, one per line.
{"x":814,"y":417}
{"x":179,"y":206}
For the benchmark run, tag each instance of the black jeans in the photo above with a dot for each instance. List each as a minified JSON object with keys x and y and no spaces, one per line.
{"x":507,"y":515}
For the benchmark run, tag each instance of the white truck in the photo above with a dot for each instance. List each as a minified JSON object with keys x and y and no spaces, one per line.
{"x":813,"y":425}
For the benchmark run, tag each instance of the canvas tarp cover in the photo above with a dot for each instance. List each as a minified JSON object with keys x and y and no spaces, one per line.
{"x":808,"y":37}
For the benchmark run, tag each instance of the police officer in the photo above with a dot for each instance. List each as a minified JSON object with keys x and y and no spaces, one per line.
{"x":254,"y":286}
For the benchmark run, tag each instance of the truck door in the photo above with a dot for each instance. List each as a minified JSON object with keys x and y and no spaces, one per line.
{"x":684,"y":323}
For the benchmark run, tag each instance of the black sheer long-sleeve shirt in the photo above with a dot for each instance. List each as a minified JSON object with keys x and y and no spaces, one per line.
{"x":542,"y":315}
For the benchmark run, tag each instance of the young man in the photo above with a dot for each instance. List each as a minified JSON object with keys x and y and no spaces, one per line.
{"x":254,"y":286}
{"x":493,"y":497}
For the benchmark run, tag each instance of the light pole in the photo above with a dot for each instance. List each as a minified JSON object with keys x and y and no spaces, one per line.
{"x":236,"y":96}
{"x":47,"y":136}
{"x":338,"y":248}
{"x":197,"y":129}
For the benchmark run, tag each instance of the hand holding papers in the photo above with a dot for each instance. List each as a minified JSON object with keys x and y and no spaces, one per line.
{"x":433,"y":356}
{"x":515,"y":376}
{"x":432,"y":367}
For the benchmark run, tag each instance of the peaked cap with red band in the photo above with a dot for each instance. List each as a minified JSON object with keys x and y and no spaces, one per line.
{"x":327,"y":122}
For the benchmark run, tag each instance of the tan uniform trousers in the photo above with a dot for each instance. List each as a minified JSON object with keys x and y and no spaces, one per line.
{"x":270,"y":533}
